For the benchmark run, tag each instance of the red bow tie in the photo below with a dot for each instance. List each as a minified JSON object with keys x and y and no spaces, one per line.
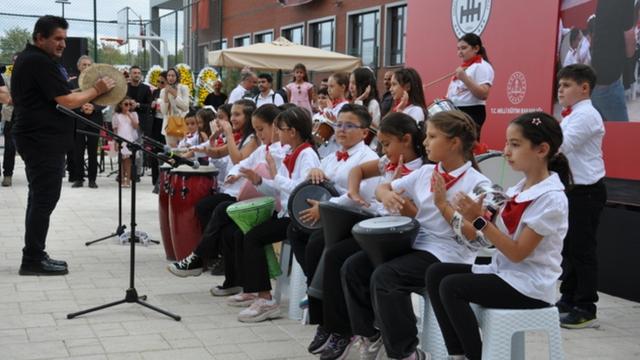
{"x":512,"y":214}
{"x":342,"y":155}
{"x":392,"y":167}
{"x":566,"y":111}
{"x":237,"y":136}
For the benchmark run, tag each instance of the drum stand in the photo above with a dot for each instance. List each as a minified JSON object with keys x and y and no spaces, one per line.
{"x":131,"y":295}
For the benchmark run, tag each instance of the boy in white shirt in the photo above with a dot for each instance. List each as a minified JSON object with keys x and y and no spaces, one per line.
{"x":583,"y":132}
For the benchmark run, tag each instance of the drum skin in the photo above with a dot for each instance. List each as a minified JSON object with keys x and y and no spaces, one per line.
{"x":163,"y":211}
{"x":298,"y":201}
{"x":387,"y":240}
{"x":187,"y":188}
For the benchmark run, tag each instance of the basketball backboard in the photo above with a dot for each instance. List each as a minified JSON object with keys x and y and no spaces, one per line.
{"x":123,"y":24}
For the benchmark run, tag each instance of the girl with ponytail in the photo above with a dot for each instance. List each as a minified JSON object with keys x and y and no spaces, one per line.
{"x":528,"y":236}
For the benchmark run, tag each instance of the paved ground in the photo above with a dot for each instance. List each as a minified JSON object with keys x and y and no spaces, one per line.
{"x":33,"y":310}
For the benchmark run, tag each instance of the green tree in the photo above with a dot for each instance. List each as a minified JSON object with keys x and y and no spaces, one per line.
{"x":14,"y":40}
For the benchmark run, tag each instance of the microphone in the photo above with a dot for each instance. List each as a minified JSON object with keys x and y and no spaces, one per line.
{"x":179,"y":160}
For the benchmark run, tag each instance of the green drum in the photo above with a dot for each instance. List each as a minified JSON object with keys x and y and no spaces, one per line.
{"x":248,"y":214}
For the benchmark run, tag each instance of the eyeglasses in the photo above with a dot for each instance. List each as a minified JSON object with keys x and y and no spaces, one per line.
{"x":127,"y":103}
{"x":346,"y":126}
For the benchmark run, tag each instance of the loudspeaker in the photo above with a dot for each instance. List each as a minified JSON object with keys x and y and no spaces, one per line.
{"x":76,"y":47}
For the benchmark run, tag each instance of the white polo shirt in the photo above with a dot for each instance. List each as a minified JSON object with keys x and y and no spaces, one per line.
{"x":548,"y":216}
{"x":236,"y":94}
{"x":460,"y":95}
{"x":271,"y":98}
{"x":416,"y":112}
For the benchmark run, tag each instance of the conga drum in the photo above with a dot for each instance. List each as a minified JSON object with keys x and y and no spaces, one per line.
{"x":250,"y":213}
{"x":386,"y":237}
{"x":163,"y":210}
{"x":342,"y":218}
{"x":494,"y":166}
{"x":298,"y":202}
{"x":440,"y":105}
{"x":187,"y":187}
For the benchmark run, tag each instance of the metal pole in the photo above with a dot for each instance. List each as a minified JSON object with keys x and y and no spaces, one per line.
{"x":95,"y":31}
{"x":175,"y":58}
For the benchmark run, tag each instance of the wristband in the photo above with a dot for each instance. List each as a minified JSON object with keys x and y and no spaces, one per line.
{"x":456,"y":223}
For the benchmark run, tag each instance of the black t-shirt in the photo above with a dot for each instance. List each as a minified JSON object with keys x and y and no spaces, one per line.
{"x":613,"y":18}
{"x":37,"y":79}
{"x":215,"y":100}
{"x":142,"y":95}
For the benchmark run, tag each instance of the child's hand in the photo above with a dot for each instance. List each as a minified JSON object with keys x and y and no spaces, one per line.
{"x":231,"y":179}
{"x":311,"y":215}
{"x":316,"y":176}
{"x":397,"y":174}
{"x":393,"y":200}
{"x":251,"y":175}
{"x":226,"y":128}
{"x":272,"y":164}
{"x":355,"y":196}
{"x":439,"y":190}
{"x":469,"y":208}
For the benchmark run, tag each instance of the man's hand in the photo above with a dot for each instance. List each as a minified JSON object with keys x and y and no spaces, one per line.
{"x":104,"y":85}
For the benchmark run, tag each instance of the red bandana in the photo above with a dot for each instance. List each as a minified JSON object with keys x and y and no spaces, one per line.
{"x":512,"y":213}
{"x":449,"y":180}
{"x":335,"y":102}
{"x":342,"y":155}
{"x":566,"y":111}
{"x":474,"y":60}
{"x":290,"y":160}
{"x":237,"y":136}
{"x":392,"y":167}
{"x":480,"y":148}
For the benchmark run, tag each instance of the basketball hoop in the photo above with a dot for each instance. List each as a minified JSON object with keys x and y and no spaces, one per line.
{"x":119,"y":41}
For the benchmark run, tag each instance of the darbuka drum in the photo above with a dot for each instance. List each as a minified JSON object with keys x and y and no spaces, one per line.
{"x":494,"y":166}
{"x":387,"y":237}
{"x":250,"y":213}
{"x":440,"y":105}
{"x":342,"y":218}
{"x":187,"y":187}
{"x":323,"y":132}
{"x":298,"y":201}
{"x":163,"y":210}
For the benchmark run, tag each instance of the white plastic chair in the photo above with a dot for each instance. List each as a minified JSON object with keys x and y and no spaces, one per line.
{"x":294,"y":283}
{"x":431,"y":339}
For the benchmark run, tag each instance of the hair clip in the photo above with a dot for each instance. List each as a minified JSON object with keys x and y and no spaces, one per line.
{"x":536,"y":121}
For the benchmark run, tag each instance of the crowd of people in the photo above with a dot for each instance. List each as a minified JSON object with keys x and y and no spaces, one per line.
{"x":385,"y":156}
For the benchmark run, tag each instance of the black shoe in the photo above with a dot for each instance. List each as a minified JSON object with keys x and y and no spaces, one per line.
{"x":320,"y":341}
{"x":217,"y":268}
{"x":78,"y":184}
{"x":563,"y":307}
{"x":579,"y":319}
{"x":93,"y":185}
{"x":54,"y":261}
{"x":43,"y":267}
{"x":338,"y":347}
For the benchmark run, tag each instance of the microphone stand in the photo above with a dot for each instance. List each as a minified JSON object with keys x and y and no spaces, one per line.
{"x":131,"y":295}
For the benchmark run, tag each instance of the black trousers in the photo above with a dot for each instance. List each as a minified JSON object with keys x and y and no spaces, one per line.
{"x":307,"y":248}
{"x":156,"y":134}
{"x":255,"y":271}
{"x":90,"y":143}
{"x":579,"y":258}
{"x":9,"y":156}
{"x":478,"y":113}
{"x":45,"y":171}
{"x":452,"y":287}
{"x":231,"y":249}
{"x":209,"y":245}
{"x":382,"y":296}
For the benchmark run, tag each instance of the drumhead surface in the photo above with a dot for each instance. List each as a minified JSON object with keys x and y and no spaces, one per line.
{"x":494,"y":166}
{"x":298,"y":200}
{"x":385,"y":222}
{"x":204,"y":169}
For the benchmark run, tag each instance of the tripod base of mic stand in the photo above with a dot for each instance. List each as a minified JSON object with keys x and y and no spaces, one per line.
{"x":131,"y":296}
{"x":119,"y":231}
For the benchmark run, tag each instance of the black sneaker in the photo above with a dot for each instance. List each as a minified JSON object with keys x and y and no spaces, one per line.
{"x":563,"y":307}
{"x":319,"y":341}
{"x":189,"y":266}
{"x":217,"y":267}
{"x":77,"y":184}
{"x":338,"y":347}
{"x":93,"y":185}
{"x":579,"y":319}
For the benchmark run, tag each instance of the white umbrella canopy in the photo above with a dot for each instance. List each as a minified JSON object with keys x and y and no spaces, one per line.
{"x":282,"y":54}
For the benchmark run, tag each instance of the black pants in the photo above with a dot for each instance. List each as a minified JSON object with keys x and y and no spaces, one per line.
{"x":307,"y":250}
{"x":157,"y":136}
{"x":382,"y":295}
{"x":452,"y":287}
{"x":209,"y":245}
{"x":255,"y":271}
{"x":478,"y":113}
{"x":231,"y":249}
{"x":45,"y":171}
{"x":579,"y":258}
{"x":90,"y":143}
{"x":9,"y":157}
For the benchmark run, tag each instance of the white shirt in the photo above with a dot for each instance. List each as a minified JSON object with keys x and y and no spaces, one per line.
{"x":436,"y":235}
{"x":386,"y":177}
{"x":583,"y":131}
{"x":338,"y":171}
{"x":548,"y":216}
{"x":584,"y":53}
{"x":257,"y":157}
{"x":416,"y":112}
{"x":571,"y":57}
{"x":236,"y":94}
{"x":283,"y":184}
{"x":271,"y":98}
{"x":481,"y":73}
{"x":331,"y":146}
{"x":223,"y":165}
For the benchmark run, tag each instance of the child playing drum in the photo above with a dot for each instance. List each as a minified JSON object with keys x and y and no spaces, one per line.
{"x":384,"y":293}
{"x":527,"y":235}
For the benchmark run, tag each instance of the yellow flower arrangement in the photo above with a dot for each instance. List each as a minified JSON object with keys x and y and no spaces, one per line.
{"x":186,"y":77}
{"x":204,"y":83}
{"x":8,"y":70}
{"x":153,"y":74}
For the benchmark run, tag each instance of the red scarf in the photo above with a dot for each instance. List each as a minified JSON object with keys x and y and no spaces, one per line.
{"x":474,"y":60}
{"x":342,"y":155}
{"x":512,"y":213}
{"x":237,"y":136}
{"x":449,"y":180}
{"x":335,"y":102}
{"x":480,"y":148}
{"x":566,"y":111}
{"x":290,"y":160}
{"x":394,"y":107}
{"x":392,"y":167}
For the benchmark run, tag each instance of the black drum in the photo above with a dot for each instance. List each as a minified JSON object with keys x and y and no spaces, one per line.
{"x":298,"y":201}
{"x":387,"y":237}
{"x":339,"y":219}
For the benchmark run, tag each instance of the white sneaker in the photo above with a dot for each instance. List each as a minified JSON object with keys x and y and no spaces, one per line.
{"x":220,"y":291}
{"x":369,"y":350}
{"x":260,"y":310}
{"x":242,"y":299}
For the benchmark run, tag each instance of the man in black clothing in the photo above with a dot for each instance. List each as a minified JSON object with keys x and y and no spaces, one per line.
{"x":216,"y":98}
{"x":93,"y":113}
{"x":387,"y":99}
{"x":141,"y":94}
{"x":42,"y":134}
{"x":156,"y":129}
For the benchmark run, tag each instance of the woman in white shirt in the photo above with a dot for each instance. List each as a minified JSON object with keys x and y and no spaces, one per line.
{"x":528,"y":235}
{"x":408,"y":97}
{"x":174,"y":101}
{"x":469,"y":88}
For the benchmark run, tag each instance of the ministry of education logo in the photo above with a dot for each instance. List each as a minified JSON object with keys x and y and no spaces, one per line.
{"x":469,"y":16}
{"x":516,"y":87}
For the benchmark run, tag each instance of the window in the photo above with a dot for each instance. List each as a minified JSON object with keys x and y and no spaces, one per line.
{"x":321,"y":35}
{"x":294,"y":34}
{"x":363,"y":37}
{"x":396,"y":34}
{"x":265,"y":37}
{"x":216,"y":44}
{"x":242,"y":41}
